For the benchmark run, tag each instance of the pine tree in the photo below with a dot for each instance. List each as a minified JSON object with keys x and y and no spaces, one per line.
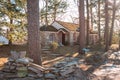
{"x":34,"y":47}
{"x":82,"y":26}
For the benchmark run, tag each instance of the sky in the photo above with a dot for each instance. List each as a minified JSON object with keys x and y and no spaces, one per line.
{"x":71,"y":11}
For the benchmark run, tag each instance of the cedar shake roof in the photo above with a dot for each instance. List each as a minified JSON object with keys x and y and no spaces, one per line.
{"x":69,"y":26}
{"x":48,"y":28}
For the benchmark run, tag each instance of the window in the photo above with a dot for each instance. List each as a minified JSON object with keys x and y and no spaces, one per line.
{"x":51,"y":37}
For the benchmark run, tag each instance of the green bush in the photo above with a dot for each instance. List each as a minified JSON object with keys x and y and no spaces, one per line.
{"x":54,"y":46}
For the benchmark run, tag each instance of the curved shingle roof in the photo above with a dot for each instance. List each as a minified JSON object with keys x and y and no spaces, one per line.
{"x":48,"y":28}
{"x":69,"y":26}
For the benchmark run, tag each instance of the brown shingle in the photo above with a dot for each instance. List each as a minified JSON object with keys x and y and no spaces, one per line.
{"x":69,"y":26}
{"x":48,"y":28}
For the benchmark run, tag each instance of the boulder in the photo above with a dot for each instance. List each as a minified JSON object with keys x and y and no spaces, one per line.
{"x":50,"y":76}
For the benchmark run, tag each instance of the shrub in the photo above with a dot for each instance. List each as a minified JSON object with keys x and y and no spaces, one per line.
{"x":54,"y":46}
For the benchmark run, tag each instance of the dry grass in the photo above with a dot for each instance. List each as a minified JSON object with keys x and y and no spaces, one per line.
{"x":114,"y":46}
{"x":69,"y":50}
{"x":46,"y":58}
{"x":5,"y":52}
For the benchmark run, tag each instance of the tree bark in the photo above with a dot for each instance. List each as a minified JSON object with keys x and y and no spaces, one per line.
{"x":99,"y":28}
{"x":112,"y":25}
{"x":91,"y":18}
{"x":34,"y":47}
{"x":82,"y":26}
{"x":106,"y":34}
{"x":9,"y":32}
{"x":88,"y":31}
{"x":119,"y":41}
{"x":46,"y":17}
{"x":55,"y":11}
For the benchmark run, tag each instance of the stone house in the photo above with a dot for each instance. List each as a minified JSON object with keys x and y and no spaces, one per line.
{"x":63,"y":33}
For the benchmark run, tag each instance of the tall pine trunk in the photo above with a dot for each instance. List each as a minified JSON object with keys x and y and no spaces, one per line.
{"x":82,"y":26}
{"x":46,"y":15}
{"x":119,"y":39}
{"x":87,"y":26}
{"x":34,"y":48}
{"x":99,"y":28}
{"x":91,"y":17}
{"x":55,"y":12}
{"x":112,"y":25}
{"x":106,"y":33}
{"x":9,"y":32}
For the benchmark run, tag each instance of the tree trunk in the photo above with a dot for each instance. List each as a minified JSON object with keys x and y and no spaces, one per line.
{"x":112,"y":25}
{"x":106,"y":34}
{"x":9,"y":32}
{"x":88,"y":31}
{"x":99,"y":30}
{"x":46,"y":19}
{"x":91,"y":18}
{"x":119,"y":41}
{"x":55,"y":11}
{"x":119,"y":38}
{"x":34,"y":47}
{"x":82,"y":26}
